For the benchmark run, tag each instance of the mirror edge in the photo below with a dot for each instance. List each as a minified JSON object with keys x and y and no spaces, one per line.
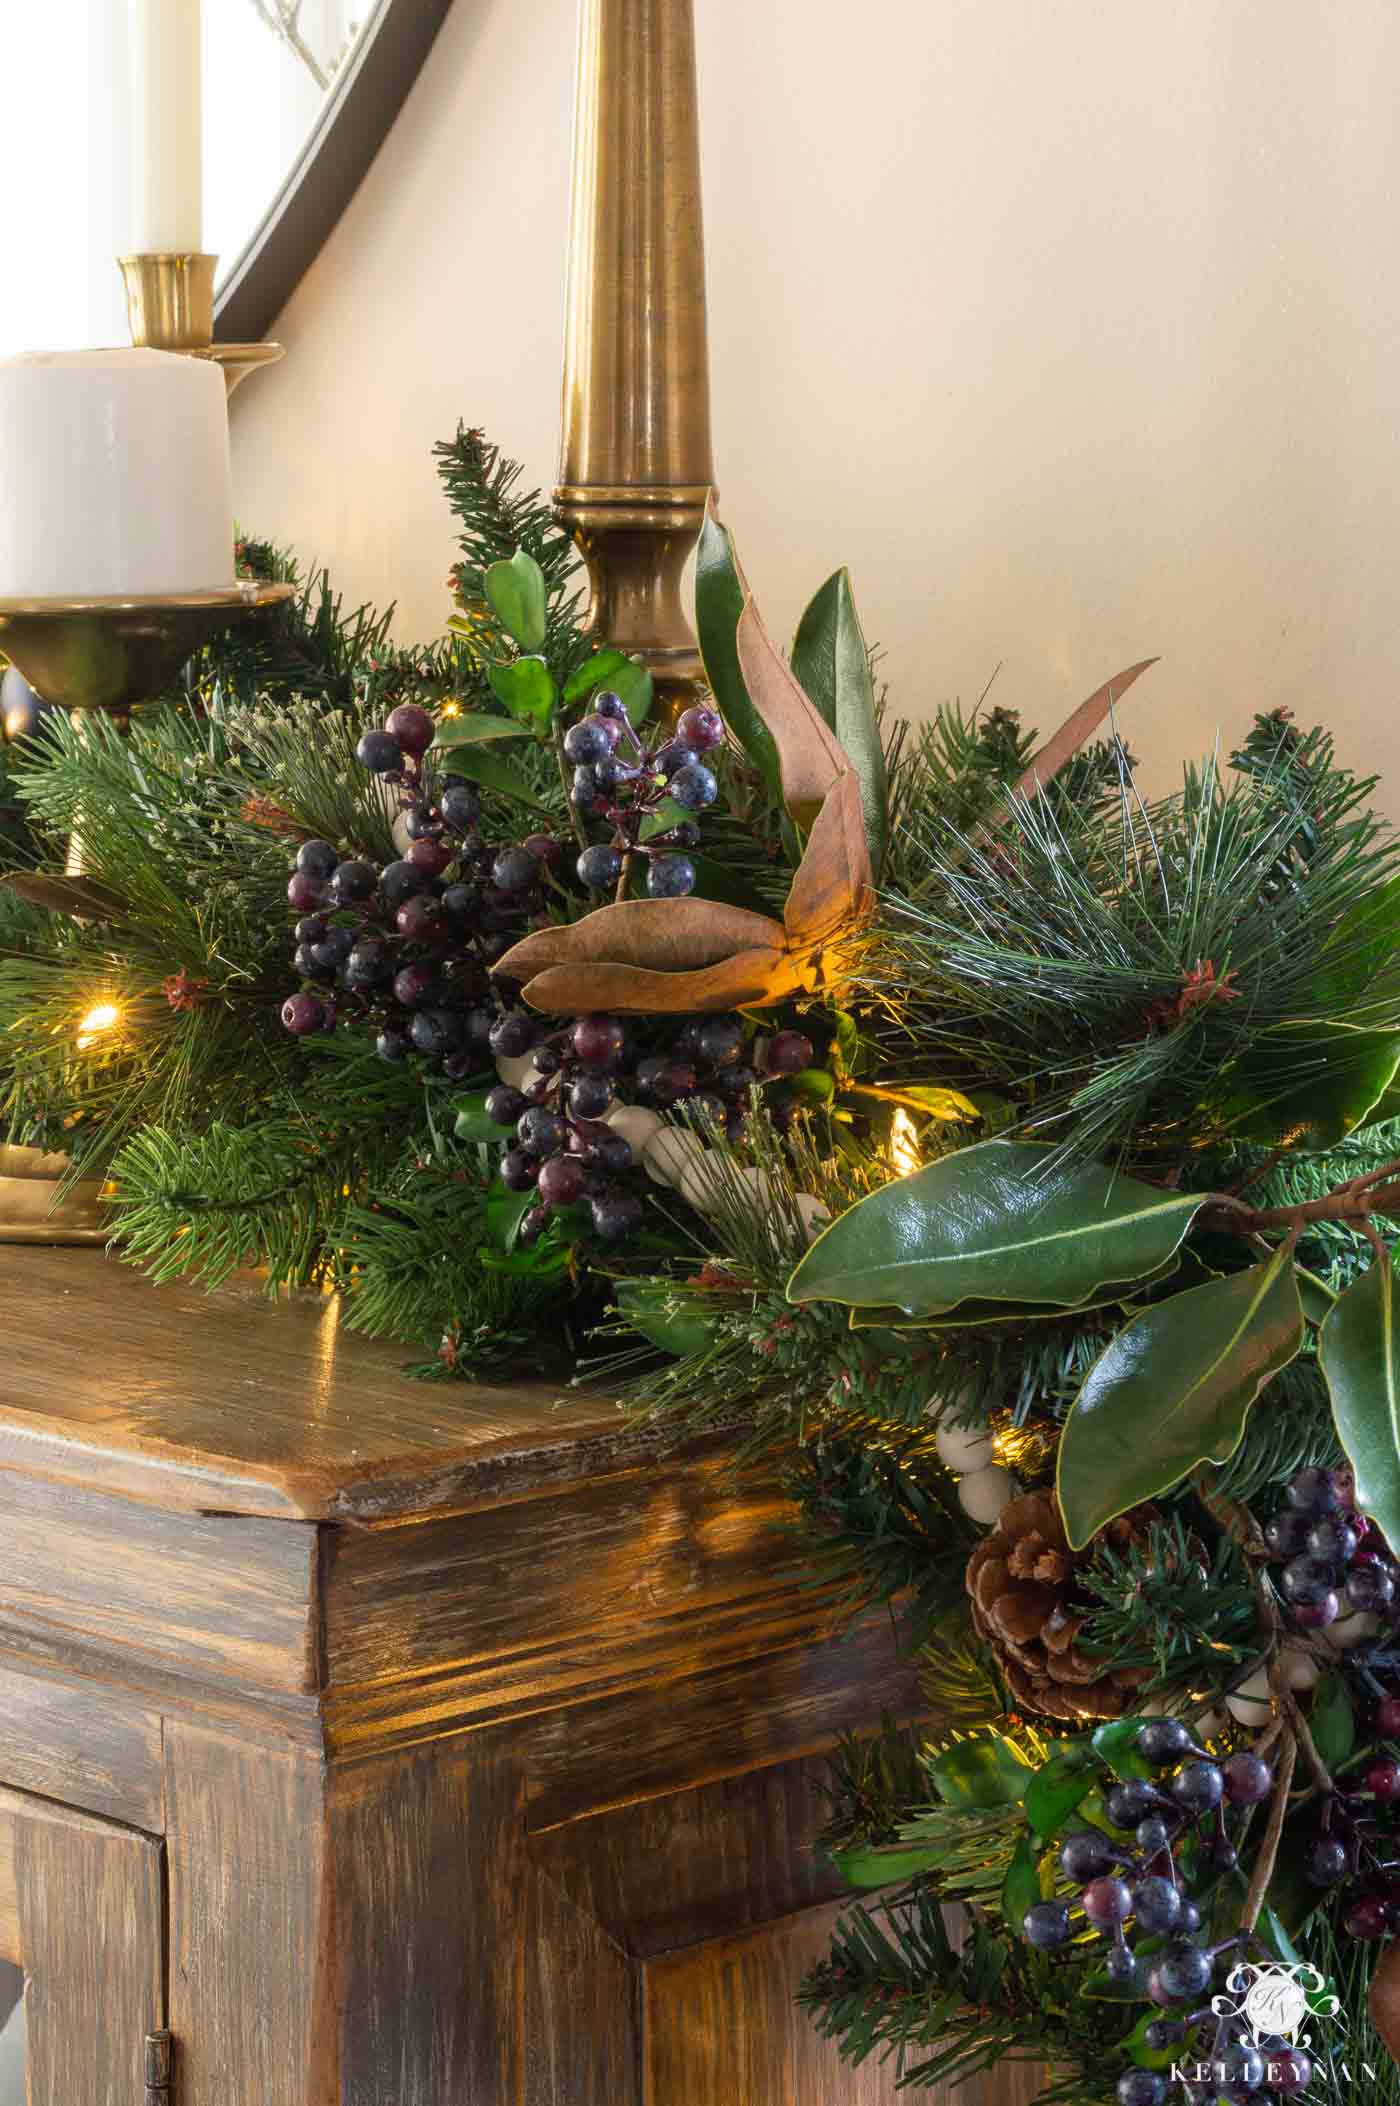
{"x":364,"y":101}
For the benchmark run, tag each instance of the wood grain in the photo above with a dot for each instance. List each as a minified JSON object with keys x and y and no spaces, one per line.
{"x":228,"y":1402}
{"x":581,"y":2014}
{"x":251,"y":1967}
{"x":204,"y":1597}
{"x":91,"y":1910}
{"x":89,"y":1745}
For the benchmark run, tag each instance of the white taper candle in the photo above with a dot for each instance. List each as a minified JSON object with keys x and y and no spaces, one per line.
{"x":166,"y":174}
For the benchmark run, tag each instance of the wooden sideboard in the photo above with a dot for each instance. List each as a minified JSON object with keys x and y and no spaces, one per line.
{"x":370,"y":1742}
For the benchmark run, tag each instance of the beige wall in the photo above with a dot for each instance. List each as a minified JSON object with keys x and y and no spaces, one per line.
{"x":1071,"y":325}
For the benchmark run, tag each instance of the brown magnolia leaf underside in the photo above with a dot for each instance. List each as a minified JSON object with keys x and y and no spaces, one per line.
{"x":1383,"y":2001}
{"x":810,"y":755}
{"x":83,"y":898}
{"x":1076,"y":731}
{"x":834,"y":886}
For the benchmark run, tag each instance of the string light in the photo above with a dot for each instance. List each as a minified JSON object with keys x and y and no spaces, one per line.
{"x":103,"y":1016}
{"x":904,"y":1146}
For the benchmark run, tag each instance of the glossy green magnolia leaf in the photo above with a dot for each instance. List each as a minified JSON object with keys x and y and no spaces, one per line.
{"x":1332,"y":1722}
{"x":1116,"y":1744}
{"x":473,"y":726}
{"x":995,"y":1222}
{"x":1317,"y":1298}
{"x":832,"y":662}
{"x":884,"y":1867}
{"x":517,"y":596}
{"x":526,"y":686}
{"x":1361,"y":947}
{"x":983,"y":1772}
{"x":1307,"y":1085}
{"x":1058,"y":1787}
{"x":1020,"y":1890}
{"x":472,"y":1123}
{"x":1360,"y":1355}
{"x":719,"y":602}
{"x":965,"y":1315}
{"x":665,"y":1319}
{"x":1172,"y":1390}
{"x":948,"y":1107}
{"x":482,"y":764}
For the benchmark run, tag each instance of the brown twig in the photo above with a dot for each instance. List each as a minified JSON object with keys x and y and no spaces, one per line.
{"x":1317,"y":1768}
{"x":1268,"y":1848}
{"x":1354,"y":1202}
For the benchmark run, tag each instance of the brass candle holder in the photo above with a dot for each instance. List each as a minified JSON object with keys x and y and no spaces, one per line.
{"x":170,"y":307}
{"x":635,"y":459}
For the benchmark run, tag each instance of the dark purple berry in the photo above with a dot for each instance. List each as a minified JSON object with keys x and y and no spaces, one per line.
{"x":1248,"y":1778}
{"x":1156,"y":1904}
{"x":380,"y":752}
{"x":1183,"y":1970}
{"x":1087,"y":1854}
{"x":353,"y":883}
{"x":318,"y":860}
{"x":789,"y":1052}
{"x":1107,"y":1902}
{"x":513,"y":1034}
{"x":1163,"y":2033}
{"x":518,"y":1171}
{"x":1121,"y":1967}
{"x":431,"y":857}
{"x":599,"y":868}
{"x":415,"y":986}
{"x":1190,"y":1917}
{"x":1046,"y":1925}
{"x":1152,"y":1834}
{"x":561,"y":1181}
{"x":1239,"y":2068}
{"x":1388,"y":1718}
{"x":670,"y":877}
{"x":598,"y":1040}
{"x":476,"y":1029}
{"x":515,"y":870}
{"x":1287,"y":1533}
{"x":586,"y":741}
{"x":1141,"y":2087}
{"x":1314,"y":1492}
{"x":1315,"y":1615}
{"x":411,"y":727}
{"x":1326,"y":1861}
{"x":1127,"y":1804}
{"x":503,"y":1105}
{"x":1290,"y":2070}
{"x":1382,"y":1780}
{"x":399,"y":882}
{"x":304,"y":892}
{"x":460,"y":807}
{"x":545,"y":849}
{"x":1163,"y":1740}
{"x":436,"y":1032}
{"x":421,"y":823}
{"x":312,"y":928}
{"x":541,"y":1132}
{"x":1305,"y":1579}
{"x":590,"y":1096}
{"x":1198,"y":1786}
{"x":302,"y":1014}
{"x":615,"y":1215}
{"x":534,"y":1224}
{"x":1367,"y":1918}
{"x":719,"y":1042}
{"x":1370,"y":1587}
{"x":368,"y":964}
{"x":607,"y":704}
{"x":391,"y":1045}
{"x":421,"y":919}
{"x":693,"y":787}
{"x":700,"y":728}
{"x":613,"y":1154}
{"x":1333,"y":1539}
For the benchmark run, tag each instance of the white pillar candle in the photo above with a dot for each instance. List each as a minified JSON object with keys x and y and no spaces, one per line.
{"x":166,"y":173}
{"x":114,"y":476}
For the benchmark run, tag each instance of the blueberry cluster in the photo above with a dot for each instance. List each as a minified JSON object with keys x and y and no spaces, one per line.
{"x":622,"y":779}
{"x":410,"y":947}
{"x":1179,"y":1833}
{"x":1333,"y":1561}
{"x":1357,"y":1841}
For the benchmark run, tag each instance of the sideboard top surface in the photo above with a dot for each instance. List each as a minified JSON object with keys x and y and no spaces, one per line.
{"x":233,"y":1403}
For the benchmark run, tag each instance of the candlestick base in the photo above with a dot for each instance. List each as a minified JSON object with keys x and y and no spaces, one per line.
{"x":112,"y":653}
{"x":31,"y":1210}
{"x":170,"y":307}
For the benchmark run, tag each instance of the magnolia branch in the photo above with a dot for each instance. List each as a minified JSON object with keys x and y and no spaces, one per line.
{"x":283,"y":18}
{"x":1378,"y":1192}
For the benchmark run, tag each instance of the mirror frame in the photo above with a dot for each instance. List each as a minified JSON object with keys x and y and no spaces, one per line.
{"x":363,"y":102}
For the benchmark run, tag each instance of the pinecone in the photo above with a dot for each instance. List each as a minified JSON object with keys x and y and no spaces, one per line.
{"x":1021,"y":1579}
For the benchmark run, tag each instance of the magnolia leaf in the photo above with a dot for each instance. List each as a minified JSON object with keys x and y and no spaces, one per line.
{"x":832,"y":664}
{"x":976,"y":1314}
{"x":982,"y":1772}
{"x":1309,"y":1084}
{"x":1076,"y":731}
{"x":482,"y":764}
{"x":1360,"y":1357}
{"x":997,"y":1222}
{"x":1173,"y":1390}
{"x":1362,"y":945}
{"x":948,"y":1107}
{"x":1383,"y":2000}
{"x":673,"y":957}
{"x":885,"y":1865}
{"x":624,"y":676}
{"x":663,"y":1318}
{"x":472,"y":726}
{"x":810,"y":756}
{"x":517,"y":595}
{"x":1317,"y":1298}
{"x":720,"y":592}
{"x":84,"y":899}
{"x":526,"y":686}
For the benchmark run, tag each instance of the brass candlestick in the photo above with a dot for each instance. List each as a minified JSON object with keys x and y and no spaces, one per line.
{"x":170,"y":307}
{"x":635,"y":458}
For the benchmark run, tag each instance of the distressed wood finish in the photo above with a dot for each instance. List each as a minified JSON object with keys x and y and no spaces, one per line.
{"x":482,"y":1742}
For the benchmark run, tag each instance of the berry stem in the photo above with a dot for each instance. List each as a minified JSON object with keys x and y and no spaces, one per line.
{"x":1268,"y":1847}
{"x":575,"y":815}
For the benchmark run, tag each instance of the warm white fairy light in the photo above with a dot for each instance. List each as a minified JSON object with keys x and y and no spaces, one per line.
{"x":904,"y":1146}
{"x":103,"y":1016}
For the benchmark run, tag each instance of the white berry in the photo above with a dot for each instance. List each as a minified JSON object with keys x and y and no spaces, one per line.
{"x":669,"y":1154}
{"x":635,"y":1123}
{"x":964,"y":1448}
{"x":983,"y":1495}
{"x":815,"y":1215}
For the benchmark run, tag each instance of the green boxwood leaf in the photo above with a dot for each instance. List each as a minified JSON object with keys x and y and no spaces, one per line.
{"x":830,"y":659}
{"x":663,"y":1317}
{"x":883,"y":1866}
{"x":1058,"y":1787}
{"x":505,"y":1210}
{"x":1332,"y":1721}
{"x":719,"y":601}
{"x":472,"y":1123}
{"x":481,"y":763}
{"x":474,"y":725}
{"x":995,"y":1222}
{"x":1020,"y":1890}
{"x":526,"y":686}
{"x":1172,"y":1390}
{"x":624,"y":676}
{"x":517,"y":595}
{"x":1308,"y":1085}
{"x":1116,"y":1744}
{"x":982,"y":1772}
{"x":1360,"y":1356}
